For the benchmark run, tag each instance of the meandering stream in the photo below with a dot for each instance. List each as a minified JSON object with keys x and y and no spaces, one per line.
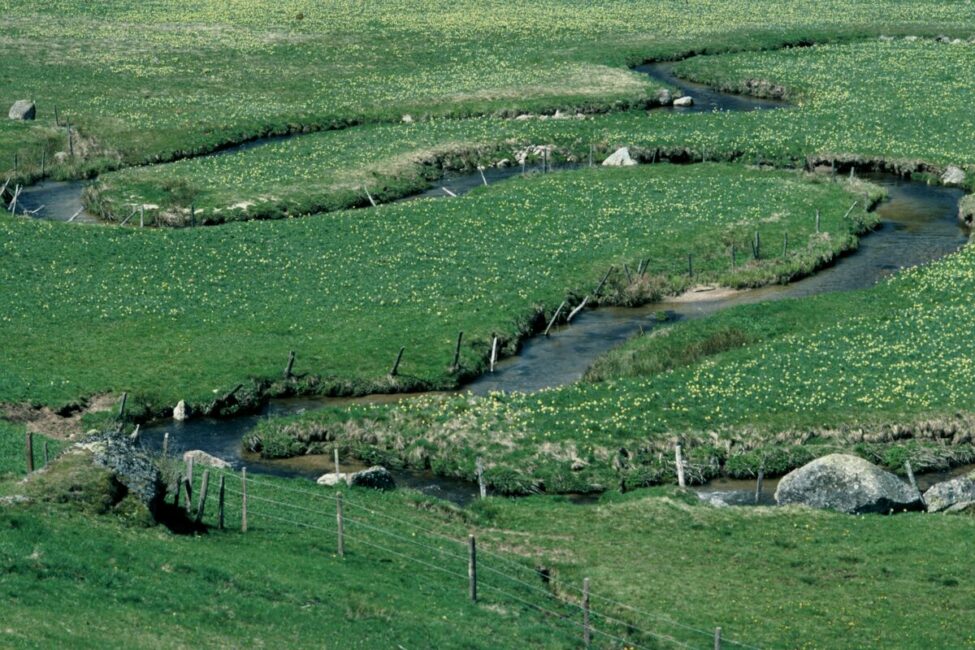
{"x":917,"y":225}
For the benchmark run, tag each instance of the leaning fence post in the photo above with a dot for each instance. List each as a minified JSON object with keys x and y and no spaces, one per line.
{"x":717,"y":638}
{"x":243,"y":500}
{"x":202,"y":502}
{"x":679,"y":460}
{"x":121,"y":406}
{"x":494,"y":352}
{"x":913,"y":481}
{"x":220,"y":503}
{"x":29,"y":449}
{"x":555,"y":317}
{"x":399,"y":357}
{"x":189,"y":470}
{"x":586,"y":630}
{"x":472,"y":567}
{"x":341,"y":524}
{"x":456,"y":365}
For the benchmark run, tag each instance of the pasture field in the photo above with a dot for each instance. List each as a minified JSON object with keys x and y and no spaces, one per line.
{"x":174,"y":79}
{"x":187,"y":314}
{"x":863,"y":102}
{"x":403,"y":578}
{"x":857,"y":371}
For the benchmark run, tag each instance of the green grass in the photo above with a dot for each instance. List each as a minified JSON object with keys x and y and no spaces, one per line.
{"x":863,"y":102}
{"x":849,"y":370}
{"x":666,"y":566}
{"x":187,"y":314}
{"x":133,"y":586}
{"x":173,"y":78}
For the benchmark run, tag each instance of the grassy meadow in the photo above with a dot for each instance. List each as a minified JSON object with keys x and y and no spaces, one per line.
{"x":186,"y":314}
{"x":181,"y":78}
{"x":860,"y":102}
{"x":886,"y":372}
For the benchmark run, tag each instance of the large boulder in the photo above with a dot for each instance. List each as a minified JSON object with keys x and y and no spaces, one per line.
{"x":847,"y":484}
{"x":620,"y":158}
{"x":953,"y":176}
{"x":200,"y":457}
{"x":943,"y":496}
{"x":684,"y":101}
{"x":332,"y":479}
{"x":24,"y":110}
{"x":377,"y":478}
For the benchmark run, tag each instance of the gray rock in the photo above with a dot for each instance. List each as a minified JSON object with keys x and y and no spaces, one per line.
{"x":180,"y":412}
{"x":685,"y":101}
{"x":407,"y":119}
{"x":663,"y":97}
{"x":619,"y":158}
{"x":953,"y":176}
{"x":847,"y":484}
{"x":964,"y":507}
{"x":332,"y":479}
{"x":24,"y":110}
{"x":943,"y":496}
{"x":15,"y":499}
{"x":377,"y":478}
{"x":200,"y":457}
{"x":132,"y":466}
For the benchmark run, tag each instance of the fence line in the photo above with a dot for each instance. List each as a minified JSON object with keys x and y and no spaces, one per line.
{"x":459,"y":557}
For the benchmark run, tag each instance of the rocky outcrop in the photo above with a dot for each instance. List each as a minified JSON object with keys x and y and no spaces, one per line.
{"x":947,"y":494}
{"x":953,"y":176}
{"x":684,"y":101}
{"x":847,"y":484}
{"x":377,"y":478}
{"x":100,"y":474}
{"x":664,"y":97}
{"x":200,"y":457}
{"x":23,"y":110}
{"x":619,"y":158}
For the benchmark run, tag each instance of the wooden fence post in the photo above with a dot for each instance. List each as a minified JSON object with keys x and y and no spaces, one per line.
{"x":243,"y":500}
{"x":579,"y":307}
{"x":586,"y":629}
{"x":734,"y":254}
{"x":554,"y":317}
{"x":759,"y":482}
{"x":785,"y":245}
{"x":494,"y":352}
{"x":679,"y":460}
{"x":817,"y":220}
{"x":47,"y":457}
{"x":337,"y":472}
{"x":290,"y":366}
{"x":602,"y":282}
{"x":165,"y":447}
{"x":399,"y":357}
{"x":456,"y":365}
{"x":179,"y":487}
{"x":29,"y":450}
{"x":341,"y":524}
{"x":220,"y":503}
{"x":188,"y":494}
{"x":911,"y":479}
{"x":717,"y":638}
{"x":690,"y":265}
{"x":202,"y":502}
{"x":481,"y":485}
{"x":189,"y":470}
{"x":757,"y":246}
{"x":472,"y":567}
{"x":121,"y":406}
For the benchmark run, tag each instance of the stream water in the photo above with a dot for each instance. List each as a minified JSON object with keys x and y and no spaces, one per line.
{"x":917,"y":225}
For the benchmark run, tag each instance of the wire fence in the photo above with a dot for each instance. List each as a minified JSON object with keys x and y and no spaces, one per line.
{"x":455,"y":561}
